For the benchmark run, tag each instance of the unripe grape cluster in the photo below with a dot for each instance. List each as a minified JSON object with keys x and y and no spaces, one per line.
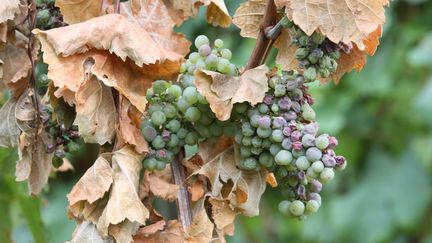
{"x":178,"y":114}
{"x":281,"y":134}
{"x":316,"y":54}
{"x":48,"y":15}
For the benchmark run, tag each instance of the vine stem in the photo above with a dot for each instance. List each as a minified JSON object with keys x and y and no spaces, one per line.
{"x":263,"y":44}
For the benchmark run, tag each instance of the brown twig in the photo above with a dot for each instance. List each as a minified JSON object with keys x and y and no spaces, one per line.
{"x":184,"y":212}
{"x":263,"y":44}
{"x":274,"y":32}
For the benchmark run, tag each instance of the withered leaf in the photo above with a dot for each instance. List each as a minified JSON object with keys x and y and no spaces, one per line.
{"x":248,"y":17}
{"x":160,"y":185}
{"x":75,"y":11}
{"x":340,"y":21}
{"x":173,"y":233}
{"x":8,"y":9}
{"x":96,"y":112}
{"x":222,"y":91}
{"x":124,"y":208}
{"x":223,"y":215}
{"x":86,"y":232}
{"x":9,"y":130}
{"x":217,"y":13}
{"x":16,"y":66}
{"x":94,"y":183}
{"x":201,"y":228}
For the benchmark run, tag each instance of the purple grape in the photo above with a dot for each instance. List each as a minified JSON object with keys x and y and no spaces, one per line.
{"x":313,"y":154}
{"x":264,"y":121}
{"x":300,"y":80}
{"x":161,"y":153}
{"x":301,"y":175}
{"x":333,"y":142}
{"x":309,"y":99}
{"x":50,"y":148}
{"x":308,"y":140}
{"x":311,"y":128}
{"x":315,"y":196}
{"x":301,"y":191}
{"x":297,"y":145}
{"x":286,"y":144}
{"x":204,"y":50}
{"x":295,"y":136}
{"x":287,"y":131}
{"x":278,"y":122}
{"x":296,"y":106}
{"x":268,"y":99}
{"x":328,"y":160}
{"x":284,"y":103}
{"x":166,"y":135}
{"x":316,"y":185}
{"x":290,"y":115}
{"x":340,"y":160}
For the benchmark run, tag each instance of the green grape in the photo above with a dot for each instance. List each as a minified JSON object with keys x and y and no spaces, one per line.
{"x":57,"y":161}
{"x":159,"y":86}
{"x":324,"y":72}
{"x":265,"y":159}
{"x":169,"y":157}
{"x":245,"y":151}
{"x":194,"y":57}
{"x":310,"y":173}
{"x":201,"y":40}
{"x":175,"y":90}
{"x":301,"y":53}
{"x":264,"y":132}
{"x":254,"y":120}
{"x":297,"y":208}
{"x":232,"y":70}
{"x":312,"y":206}
{"x":212,"y":61}
{"x":219,"y":43}
{"x":202,"y":100}
{"x":238,"y":137}
{"x":283,"y":157}
{"x":173,"y":125}
{"x":249,"y":163}
{"x":216,"y":130}
{"x":158,"y":142}
{"x":150,"y":163}
{"x":240,"y":107}
{"x":322,"y":141}
{"x":230,"y":130}
{"x":223,"y":65}
{"x":202,"y":130}
{"x":310,"y":74}
{"x":298,"y":153}
{"x":317,"y":38}
{"x":191,"y":138}
{"x":317,"y":166}
{"x":326,"y":175}
{"x":72,"y":146}
{"x":247,"y":141}
{"x":149,"y":94}
{"x":206,"y":120}
{"x":160,"y":165}
{"x":170,"y":111}
{"x":280,"y":90}
{"x":158,"y":118}
{"x":277,"y":136}
{"x":192,"y":114}
{"x":182,"y":133}
{"x":182,"y":104}
{"x":302,"y":163}
{"x":154,"y":107}
{"x":174,"y":141}
{"x":274,"y":108}
{"x":284,"y":207}
{"x":256,"y":142}
{"x":263,"y":108}
{"x":191,"y":95}
{"x":308,"y":113}
{"x":266,"y":143}
{"x":226,"y":53}
{"x":281,"y":172}
{"x":256,"y":151}
{"x":335,"y":55}
{"x":183,"y":68}
{"x":200,"y":64}
{"x":187,"y":80}
{"x":252,"y":111}
{"x":274,"y":81}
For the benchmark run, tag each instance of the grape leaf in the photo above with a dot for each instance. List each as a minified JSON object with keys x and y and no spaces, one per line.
{"x":223,"y":216}
{"x":128,"y":130}
{"x":9,"y":130}
{"x":94,"y":183}
{"x":75,"y":11}
{"x":172,"y":233}
{"x":86,"y":232}
{"x":222,"y":91}
{"x":349,"y":21}
{"x":95,"y":112}
{"x":130,"y":61}
{"x":124,"y":212}
{"x":201,"y":228}
{"x":248,"y":17}
{"x":158,"y":183}
{"x":8,"y":9}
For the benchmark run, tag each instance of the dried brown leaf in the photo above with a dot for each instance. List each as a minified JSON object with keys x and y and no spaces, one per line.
{"x":286,"y":53}
{"x":173,"y":233}
{"x":217,"y":13}
{"x":271,"y":180}
{"x":75,"y":11}
{"x":8,"y":9}
{"x":348,"y":21}
{"x":94,"y":183}
{"x":196,"y":190}
{"x":248,"y":17}
{"x":222,"y":91}
{"x":96,"y":112}
{"x":159,"y":184}
{"x":16,"y":66}
{"x":201,"y":228}
{"x":9,"y":130}
{"x":86,"y":232}
{"x":124,"y":209}
{"x":223,"y":216}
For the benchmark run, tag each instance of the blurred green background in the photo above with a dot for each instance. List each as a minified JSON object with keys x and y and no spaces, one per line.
{"x":382,"y":117}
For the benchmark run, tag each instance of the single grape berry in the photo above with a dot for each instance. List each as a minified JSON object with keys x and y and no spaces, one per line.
{"x":297,"y":208}
{"x":284,"y":207}
{"x":192,"y":114}
{"x":201,"y":40}
{"x":283,"y":157}
{"x":158,"y":118}
{"x":312,"y":206}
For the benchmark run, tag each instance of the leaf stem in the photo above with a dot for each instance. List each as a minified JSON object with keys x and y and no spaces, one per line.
{"x":263,"y":44}
{"x":184,"y":212}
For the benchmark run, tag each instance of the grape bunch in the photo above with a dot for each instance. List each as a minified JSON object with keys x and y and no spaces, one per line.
{"x":64,"y":140}
{"x":48,"y":15}
{"x":281,"y":135}
{"x":178,"y":114}
{"x":317,"y":55}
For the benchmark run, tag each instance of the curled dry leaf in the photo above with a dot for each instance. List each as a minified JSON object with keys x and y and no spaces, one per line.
{"x":271,"y":180}
{"x":128,"y":130}
{"x":124,"y":212}
{"x":248,"y":17}
{"x":201,"y":228}
{"x":86,"y":232}
{"x":9,"y":130}
{"x":75,"y":11}
{"x":8,"y":9}
{"x":223,"y":216}
{"x":158,"y":183}
{"x":95,"y":111}
{"x":222,"y":91}
{"x":172,"y":233}
{"x":341,"y":21}
{"x":242,"y":188}
{"x":128,"y":58}
{"x":217,"y":13}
